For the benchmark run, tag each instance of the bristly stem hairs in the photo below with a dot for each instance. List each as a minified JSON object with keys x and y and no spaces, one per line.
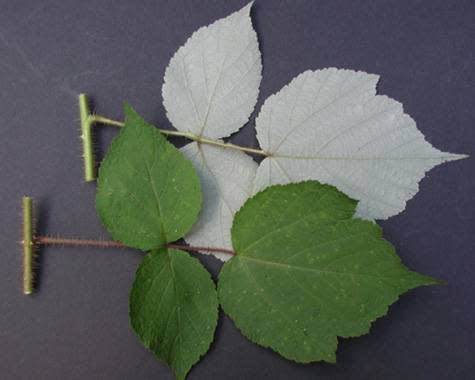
{"x":31,"y":243}
{"x":28,"y":245}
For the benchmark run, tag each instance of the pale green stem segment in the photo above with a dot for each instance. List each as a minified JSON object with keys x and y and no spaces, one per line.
{"x":190,"y":136}
{"x":86,"y":137}
{"x":28,"y":245}
{"x":88,"y":120}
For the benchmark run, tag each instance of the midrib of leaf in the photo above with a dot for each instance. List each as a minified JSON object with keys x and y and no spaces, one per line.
{"x":211,"y":99}
{"x":218,"y":81}
{"x":319,"y":271}
{"x":383,"y":158}
{"x":188,"y":89}
{"x":203,"y":69}
{"x":176,"y":308}
{"x":353,"y":158}
{"x":157,"y":200}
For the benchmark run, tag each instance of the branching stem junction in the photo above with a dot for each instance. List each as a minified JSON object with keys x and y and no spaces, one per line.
{"x":89,"y":119}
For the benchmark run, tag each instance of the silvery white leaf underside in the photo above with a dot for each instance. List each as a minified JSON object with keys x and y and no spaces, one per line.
{"x":212,"y":82}
{"x":329,"y":125}
{"x":226,"y":181}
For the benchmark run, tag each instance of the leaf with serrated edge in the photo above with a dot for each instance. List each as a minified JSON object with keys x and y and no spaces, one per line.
{"x":174,"y":308}
{"x":306,"y":272}
{"x":329,"y":125}
{"x":148,"y":193}
{"x":226,"y":179}
{"x":212,"y":82}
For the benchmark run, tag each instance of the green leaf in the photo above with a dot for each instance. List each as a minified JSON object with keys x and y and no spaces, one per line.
{"x":148,"y":193}
{"x":306,"y":273}
{"x":174,"y":308}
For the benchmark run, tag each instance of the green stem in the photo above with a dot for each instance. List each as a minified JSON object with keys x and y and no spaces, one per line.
{"x":203,"y":140}
{"x":88,"y":120}
{"x":104,"y":120}
{"x":86,"y":137}
{"x":28,"y":245}
{"x":190,"y":136}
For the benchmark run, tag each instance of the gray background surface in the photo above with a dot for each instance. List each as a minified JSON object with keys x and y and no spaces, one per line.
{"x":76,"y":326}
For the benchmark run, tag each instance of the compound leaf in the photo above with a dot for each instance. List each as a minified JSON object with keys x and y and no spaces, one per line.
{"x":306,"y":272}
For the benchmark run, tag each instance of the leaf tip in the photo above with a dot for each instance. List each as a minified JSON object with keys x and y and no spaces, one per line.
{"x":456,"y":157}
{"x":128,"y":109}
{"x":247,"y":8}
{"x":424,"y":280}
{"x":436,"y":281}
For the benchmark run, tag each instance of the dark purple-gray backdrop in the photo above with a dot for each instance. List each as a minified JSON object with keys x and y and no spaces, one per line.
{"x":76,"y":326}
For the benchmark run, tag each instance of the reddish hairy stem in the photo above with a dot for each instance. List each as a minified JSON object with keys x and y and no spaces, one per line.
{"x":207,"y":249}
{"x":48,"y":240}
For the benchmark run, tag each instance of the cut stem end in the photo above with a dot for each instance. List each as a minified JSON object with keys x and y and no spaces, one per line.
{"x":86,"y":136}
{"x":28,"y":245}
